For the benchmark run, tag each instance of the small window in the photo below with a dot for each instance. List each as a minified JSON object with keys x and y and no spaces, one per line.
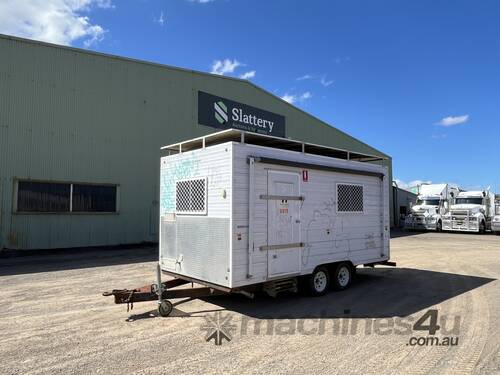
{"x":349,"y":198}
{"x":94,"y":198}
{"x":60,"y":197}
{"x":35,"y":196}
{"x":191,"y":196}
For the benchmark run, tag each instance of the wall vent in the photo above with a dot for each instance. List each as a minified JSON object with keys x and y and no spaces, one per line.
{"x":191,"y":197}
{"x":349,"y":198}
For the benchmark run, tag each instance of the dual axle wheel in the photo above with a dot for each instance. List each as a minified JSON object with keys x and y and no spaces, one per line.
{"x":323,"y":278}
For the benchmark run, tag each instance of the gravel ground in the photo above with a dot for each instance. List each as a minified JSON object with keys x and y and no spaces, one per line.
{"x":54,"y":320}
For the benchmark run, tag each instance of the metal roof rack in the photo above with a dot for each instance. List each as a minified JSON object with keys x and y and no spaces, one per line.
{"x":242,"y":136}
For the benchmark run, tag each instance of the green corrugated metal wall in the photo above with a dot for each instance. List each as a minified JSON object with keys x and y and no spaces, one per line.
{"x":70,"y":115}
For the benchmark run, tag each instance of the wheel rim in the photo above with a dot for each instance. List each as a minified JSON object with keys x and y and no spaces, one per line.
{"x":320,"y":281}
{"x":343,"y":276}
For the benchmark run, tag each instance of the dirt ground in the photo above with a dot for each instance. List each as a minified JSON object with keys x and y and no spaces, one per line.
{"x":53,"y":319}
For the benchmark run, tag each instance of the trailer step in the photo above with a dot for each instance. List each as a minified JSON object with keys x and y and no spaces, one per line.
{"x":272,"y":288}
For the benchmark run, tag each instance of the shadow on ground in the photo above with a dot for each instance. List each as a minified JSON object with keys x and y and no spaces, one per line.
{"x":68,"y":259}
{"x":377,"y":293}
{"x":399,"y":232}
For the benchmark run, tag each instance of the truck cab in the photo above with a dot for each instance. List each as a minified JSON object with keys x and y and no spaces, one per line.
{"x":495,"y":223}
{"x":432,"y":203}
{"x":472,"y":211}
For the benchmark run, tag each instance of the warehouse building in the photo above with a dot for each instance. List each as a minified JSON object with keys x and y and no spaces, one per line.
{"x":402,"y":203}
{"x":80,"y":138}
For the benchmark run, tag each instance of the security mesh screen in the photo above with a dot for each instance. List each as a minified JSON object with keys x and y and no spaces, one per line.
{"x":350,"y":198}
{"x":190,"y":196}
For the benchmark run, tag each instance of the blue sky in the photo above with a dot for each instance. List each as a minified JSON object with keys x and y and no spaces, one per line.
{"x":419,"y":80}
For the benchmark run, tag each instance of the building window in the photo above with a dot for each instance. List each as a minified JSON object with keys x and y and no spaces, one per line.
{"x":191,"y":196}
{"x":349,"y":198}
{"x":43,"y":197}
{"x":93,"y":198}
{"x":60,"y":197}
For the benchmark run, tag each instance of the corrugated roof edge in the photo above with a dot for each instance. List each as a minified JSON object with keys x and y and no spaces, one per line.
{"x":164,"y":66}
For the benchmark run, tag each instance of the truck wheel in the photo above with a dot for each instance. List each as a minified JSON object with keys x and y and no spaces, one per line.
{"x":165,"y":308}
{"x":482,"y":227}
{"x":439,"y":226}
{"x":319,"y":281}
{"x":342,"y":277}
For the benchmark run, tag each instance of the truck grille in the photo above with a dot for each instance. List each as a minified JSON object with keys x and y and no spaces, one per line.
{"x":460,"y":215}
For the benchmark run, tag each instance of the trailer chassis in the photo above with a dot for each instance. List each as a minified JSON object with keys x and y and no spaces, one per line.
{"x":163,"y":291}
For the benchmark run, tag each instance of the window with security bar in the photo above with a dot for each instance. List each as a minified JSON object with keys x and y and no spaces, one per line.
{"x":191,"y":197}
{"x":349,"y":198}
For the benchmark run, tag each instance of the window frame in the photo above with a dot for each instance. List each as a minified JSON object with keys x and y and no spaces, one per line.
{"x":337,"y":199}
{"x":193,"y":213}
{"x":15,"y":196}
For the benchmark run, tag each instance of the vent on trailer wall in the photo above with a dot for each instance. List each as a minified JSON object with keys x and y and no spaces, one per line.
{"x":191,"y":196}
{"x":349,"y":198}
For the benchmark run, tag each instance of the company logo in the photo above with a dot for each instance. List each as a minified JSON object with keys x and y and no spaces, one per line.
{"x":223,"y":113}
{"x":220,"y":112}
{"x":218,"y":327}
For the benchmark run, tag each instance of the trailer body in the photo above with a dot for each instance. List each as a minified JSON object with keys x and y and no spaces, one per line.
{"x":234,"y":214}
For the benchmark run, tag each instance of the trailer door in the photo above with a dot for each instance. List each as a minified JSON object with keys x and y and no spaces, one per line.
{"x":283,"y":210}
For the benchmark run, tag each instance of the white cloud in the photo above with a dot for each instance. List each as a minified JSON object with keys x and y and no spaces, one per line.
{"x":225,"y":66}
{"x":339,"y":60}
{"x":248,"y":75}
{"x":304,"y":77}
{"x":294,"y":98}
{"x":410,"y":184}
{"x":306,"y":95}
{"x":161,"y":19}
{"x":54,"y":21}
{"x":453,"y":120}
{"x":105,"y":4}
{"x":326,"y":82}
{"x":289,"y":98}
{"x":321,"y":79}
{"x":201,"y":1}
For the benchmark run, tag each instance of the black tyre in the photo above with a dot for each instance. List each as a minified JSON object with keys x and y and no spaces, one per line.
{"x":165,"y":308}
{"x":319,"y":281}
{"x":439,"y":226}
{"x":342,"y":276}
{"x":482,"y":227}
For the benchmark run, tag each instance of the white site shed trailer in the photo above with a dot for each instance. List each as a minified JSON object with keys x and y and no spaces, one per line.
{"x":240,"y":209}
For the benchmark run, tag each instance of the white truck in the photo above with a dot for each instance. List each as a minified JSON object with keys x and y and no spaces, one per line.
{"x":495,"y":224}
{"x":472,"y":211}
{"x":433,"y":202}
